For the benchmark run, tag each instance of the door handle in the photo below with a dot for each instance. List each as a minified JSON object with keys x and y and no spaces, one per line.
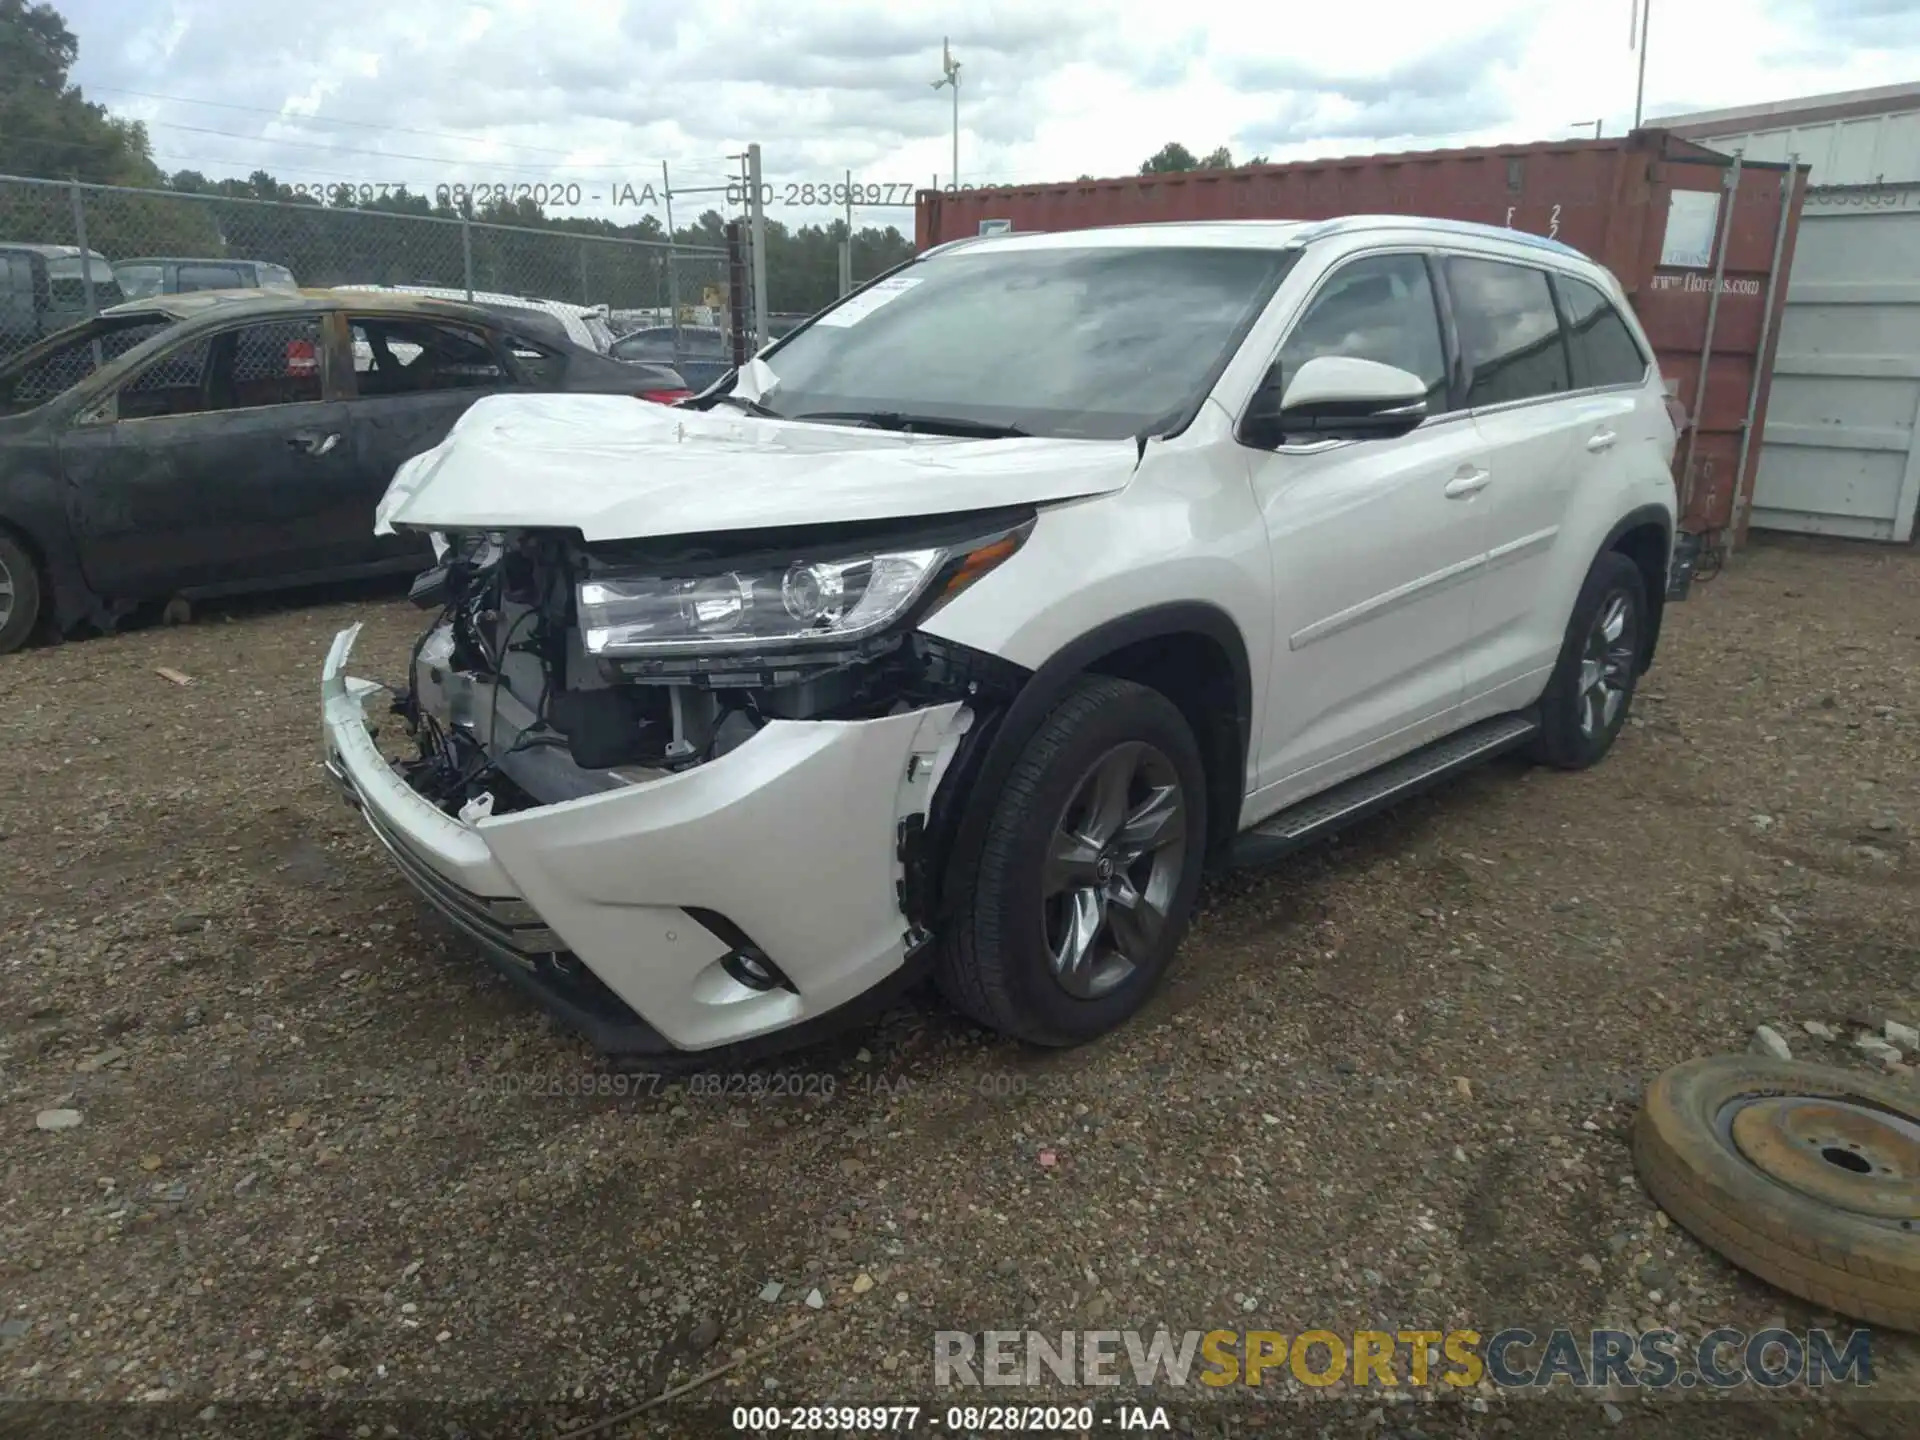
{"x":313,"y":442}
{"x":1601,"y":441}
{"x":1468,"y":483}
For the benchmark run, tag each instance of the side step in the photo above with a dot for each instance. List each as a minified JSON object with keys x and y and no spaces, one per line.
{"x":1364,"y":795}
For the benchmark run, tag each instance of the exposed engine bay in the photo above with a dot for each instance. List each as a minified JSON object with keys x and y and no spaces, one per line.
{"x":516,"y":699}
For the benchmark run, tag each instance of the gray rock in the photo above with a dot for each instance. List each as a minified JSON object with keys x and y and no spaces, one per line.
{"x":1656,"y":1276}
{"x":770,"y":1291}
{"x":704,"y":1334}
{"x":1902,"y":1037}
{"x":1006,"y":1265}
{"x":14,"y":1329}
{"x":1768,"y":1041}
{"x":101,"y":1059}
{"x":815,"y":1300}
{"x":1873,"y":1045}
{"x":1818,"y":1029}
{"x":58,"y":1119}
{"x":189,"y":923}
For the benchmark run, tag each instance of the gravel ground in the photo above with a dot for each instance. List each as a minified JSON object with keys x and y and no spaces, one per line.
{"x":1389,"y":1086}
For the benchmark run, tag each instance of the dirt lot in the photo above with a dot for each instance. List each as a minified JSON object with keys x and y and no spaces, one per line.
{"x":1389,"y":1087}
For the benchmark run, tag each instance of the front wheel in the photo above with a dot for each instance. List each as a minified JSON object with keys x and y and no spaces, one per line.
{"x":1586,"y":701}
{"x":19,"y":594}
{"x":1064,"y":922}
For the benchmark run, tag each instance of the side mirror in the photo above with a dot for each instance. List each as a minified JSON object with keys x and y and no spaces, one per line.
{"x":1336,"y":397}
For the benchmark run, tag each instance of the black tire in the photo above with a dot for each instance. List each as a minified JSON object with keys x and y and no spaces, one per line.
{"x":996,"y":963}
{"x":18,"y":572}
{"x":1564,"y":741}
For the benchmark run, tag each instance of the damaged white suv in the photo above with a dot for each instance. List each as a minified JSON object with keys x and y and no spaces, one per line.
{"x":961,"y":628}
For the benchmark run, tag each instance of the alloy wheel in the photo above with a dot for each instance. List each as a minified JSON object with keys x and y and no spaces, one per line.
{"x":1114,"y":864}
{"x":6,"y":594}
{"x":1606,"y":666}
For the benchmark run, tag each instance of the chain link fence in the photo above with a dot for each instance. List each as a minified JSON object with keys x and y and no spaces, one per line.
{"x":69,"y":250}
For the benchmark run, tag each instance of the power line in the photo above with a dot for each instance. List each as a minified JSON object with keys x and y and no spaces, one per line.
{"x":298,"y":119}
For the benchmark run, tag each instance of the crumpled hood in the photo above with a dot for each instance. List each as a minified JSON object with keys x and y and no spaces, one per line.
{"x":616,"y":468}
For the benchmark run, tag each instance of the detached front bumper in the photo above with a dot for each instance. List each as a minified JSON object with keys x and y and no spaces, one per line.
{"x":618,"y":910}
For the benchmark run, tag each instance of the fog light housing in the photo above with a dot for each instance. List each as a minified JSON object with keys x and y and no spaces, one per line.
{"x":751,"y":968}
{"x":745,"y":962}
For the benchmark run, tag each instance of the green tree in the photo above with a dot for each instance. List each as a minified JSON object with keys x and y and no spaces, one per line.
{"x":1170,"y":159}
{"x":47,"y":127}
{"x":1220,"y":158}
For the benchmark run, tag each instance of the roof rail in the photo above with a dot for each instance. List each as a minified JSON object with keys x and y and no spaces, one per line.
{"x":1348,"y":224}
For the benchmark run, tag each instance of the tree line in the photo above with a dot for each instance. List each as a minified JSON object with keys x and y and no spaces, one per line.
{"x":49,"y":128}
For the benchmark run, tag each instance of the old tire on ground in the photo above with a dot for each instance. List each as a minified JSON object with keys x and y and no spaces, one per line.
{"x":1588,"y":696}
{"x":1805,"y":1175}
{"x":1062,"y":921}
{"x":20,"y":594}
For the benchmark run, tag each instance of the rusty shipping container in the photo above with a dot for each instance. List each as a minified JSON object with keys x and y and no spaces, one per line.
{"x":1706,"y":277}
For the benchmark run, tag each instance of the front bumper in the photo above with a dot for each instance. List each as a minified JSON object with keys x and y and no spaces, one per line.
{"x":793,"y":838}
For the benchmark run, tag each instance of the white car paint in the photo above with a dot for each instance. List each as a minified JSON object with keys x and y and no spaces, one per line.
{"x":586,"y":325}
{"x":616,"y":470}
{"x":1387,"y":592}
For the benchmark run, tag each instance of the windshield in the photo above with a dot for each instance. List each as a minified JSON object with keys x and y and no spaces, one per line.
{"x":1100,"y":342}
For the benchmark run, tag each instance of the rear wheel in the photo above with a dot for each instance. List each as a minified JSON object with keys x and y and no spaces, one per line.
{"x":1587,"y":700}
{"x":1066,"y":919}
{"x":20,"y":592}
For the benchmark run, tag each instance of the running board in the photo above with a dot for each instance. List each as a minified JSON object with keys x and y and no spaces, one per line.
{"x":1364,"y":795}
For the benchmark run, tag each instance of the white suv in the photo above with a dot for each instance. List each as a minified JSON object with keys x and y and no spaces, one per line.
{"x":978,"y":614}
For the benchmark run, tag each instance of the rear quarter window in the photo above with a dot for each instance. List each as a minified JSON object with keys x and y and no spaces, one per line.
{"x":1601,"y":344}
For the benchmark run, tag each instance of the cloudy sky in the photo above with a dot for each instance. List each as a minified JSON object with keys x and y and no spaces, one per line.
{"x":600,"y":92}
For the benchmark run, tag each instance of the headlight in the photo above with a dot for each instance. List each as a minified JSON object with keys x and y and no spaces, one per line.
{"x":802,"y":602}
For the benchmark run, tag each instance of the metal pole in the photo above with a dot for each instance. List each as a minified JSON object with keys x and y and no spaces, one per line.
{"x":736,"y":290}
{"x":1640,"y":86}
{"x":956,"y":129}
{"x":86,"y":255}
{"x":846,"y":243}
{"x":1732,"y":184}
{"x":1742,"y":493}
{"x":757,"y":248}
{"x":466,"y":246}
{"x":673,"y":257}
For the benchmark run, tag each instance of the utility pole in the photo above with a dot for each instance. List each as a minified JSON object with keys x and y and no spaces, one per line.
{"x":846,"y":243}
{"x":1637,"y":39}
{"x":950,"y":75}
{"x":757,"y":246}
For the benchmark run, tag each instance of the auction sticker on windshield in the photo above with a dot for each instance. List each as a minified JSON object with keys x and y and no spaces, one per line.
{"x":869,"y":300}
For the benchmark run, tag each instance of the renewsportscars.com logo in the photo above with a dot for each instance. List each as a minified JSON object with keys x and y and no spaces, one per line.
{"x":1461,"y":1359}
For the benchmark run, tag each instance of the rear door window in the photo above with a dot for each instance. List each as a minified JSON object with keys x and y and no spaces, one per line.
{"x":276,"y":362}
{"x":174,"y":383}
{"x":1509,"y":331}
{"x":211,"y":277}
{"x":1603,"y":348}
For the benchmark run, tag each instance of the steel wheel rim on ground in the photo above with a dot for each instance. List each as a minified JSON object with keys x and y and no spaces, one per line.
{"x":1606,"y":664}
{"x":1736,"y":1149}
{"x":1113,"y":865}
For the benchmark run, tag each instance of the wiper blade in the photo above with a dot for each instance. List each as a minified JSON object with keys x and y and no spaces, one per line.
{"x":926,"y":424}
{"x":752,"y":407}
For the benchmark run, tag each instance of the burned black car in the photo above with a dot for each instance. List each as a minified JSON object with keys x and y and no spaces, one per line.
{"x":224,"y":441}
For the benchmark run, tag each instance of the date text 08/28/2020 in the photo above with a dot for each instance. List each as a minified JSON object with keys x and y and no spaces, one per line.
{"x":567,"y":194}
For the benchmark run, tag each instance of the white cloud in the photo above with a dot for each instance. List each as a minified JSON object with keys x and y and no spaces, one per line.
{"x":602,"y":90}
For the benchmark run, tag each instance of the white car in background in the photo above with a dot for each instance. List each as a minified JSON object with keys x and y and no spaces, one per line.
{"x":983,"y":611}
{"x":586,"y":325}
